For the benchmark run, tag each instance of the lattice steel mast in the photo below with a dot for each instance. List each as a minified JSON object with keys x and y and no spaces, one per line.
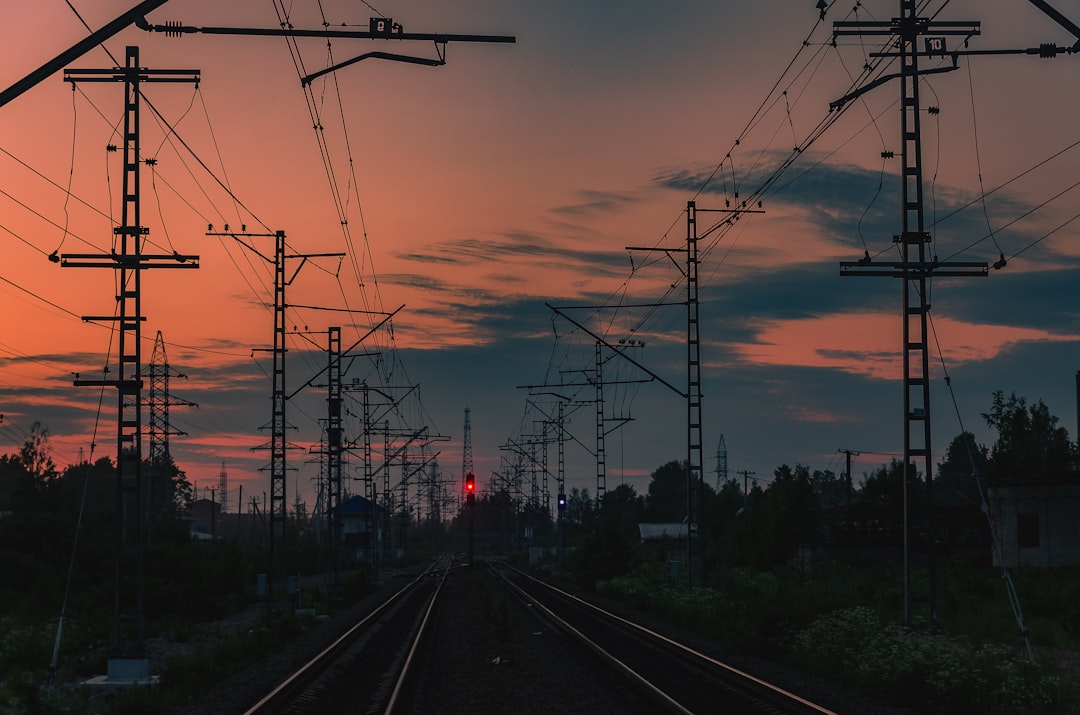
{"x":128,"y":661}
{"x":915,"y":268}
{"x":277,"y":528}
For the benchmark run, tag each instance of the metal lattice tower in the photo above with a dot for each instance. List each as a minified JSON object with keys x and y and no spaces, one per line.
{"x":333,"y":451}
{"x":544,"y":468}
{"x":278,"y":425}
{"x":695,"y":473}
{"x":223,"y":489}
{"x":721,"y":464}
{"x":157,"y":405}
{"x":278,"y":522}
{"x":915,"y":268}
{"x":466,"y":447}
{"x":601,"y":456}
{"x":369,"y":477}
{"x":128,"y":660}
{"x":159,"y":428}
{"x":560,"y":476}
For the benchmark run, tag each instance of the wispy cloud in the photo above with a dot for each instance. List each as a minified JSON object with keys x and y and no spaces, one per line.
{"x":867,"y":343}
{"x":594,"y":202}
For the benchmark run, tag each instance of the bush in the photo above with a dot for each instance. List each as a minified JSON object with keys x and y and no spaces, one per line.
{"x":923,"y":670}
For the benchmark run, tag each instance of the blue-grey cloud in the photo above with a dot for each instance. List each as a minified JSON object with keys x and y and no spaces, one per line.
{"x":596,"y":202}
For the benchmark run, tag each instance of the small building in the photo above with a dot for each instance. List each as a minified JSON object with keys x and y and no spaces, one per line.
{"x":1038,"y":524}
{"x":665,"y":543}
{"x":204,"y":517}
{"x":359,"y":520}
{"x":207,"y":522}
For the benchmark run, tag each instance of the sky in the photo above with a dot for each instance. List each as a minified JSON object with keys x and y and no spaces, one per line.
{"x":473,"y":197}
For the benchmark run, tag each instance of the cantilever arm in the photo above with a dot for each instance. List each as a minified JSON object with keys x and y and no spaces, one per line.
{"x":376,"y":56}
{"x":838,"y":103}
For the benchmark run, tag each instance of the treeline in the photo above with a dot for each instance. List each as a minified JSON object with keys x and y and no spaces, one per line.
{"x":768,"y":521}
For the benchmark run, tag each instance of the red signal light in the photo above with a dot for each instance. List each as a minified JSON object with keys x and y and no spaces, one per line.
{"x":470,"y":483}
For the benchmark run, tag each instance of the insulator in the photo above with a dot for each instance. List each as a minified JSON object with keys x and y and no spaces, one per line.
{"x":1048,"y":50}
{"x":110,"y":147}
{"x":933,"y":110}
{"x":887,"y":155}
{"x":172,"y":28}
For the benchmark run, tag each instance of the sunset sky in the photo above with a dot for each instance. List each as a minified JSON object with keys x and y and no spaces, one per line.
{"x":515,"y":176}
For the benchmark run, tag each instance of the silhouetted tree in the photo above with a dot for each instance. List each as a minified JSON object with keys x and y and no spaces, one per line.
{"x":1030,"y":445}
{"x":623,"y":509}
{"x":609,"y":549}
{"x":667,"y":493}
{"x":879,"y":504}
{"x":956,"y":474}
{"x":579,"y":519}
{"x":35,"y":454}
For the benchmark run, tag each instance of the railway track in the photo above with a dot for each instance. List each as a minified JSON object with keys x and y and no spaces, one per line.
{"x":677,"y":677}
{"x":497,"y":640}
{"x":364,"y":669}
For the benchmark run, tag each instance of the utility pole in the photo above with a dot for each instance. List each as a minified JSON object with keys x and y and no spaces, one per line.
{"x":277,"y":532}
{"x":601,"y":453}
{"x":223,"y":489}
{"x":368,"y":473}
{"x":695,"y":470}
{"x":601,"y":421}
{"x":469,"y":482}
{"x":695,"y":459}
{"x":127,"y":661}
{"x":746,"y":474}
{"x":333,"y":453}
{"x":848,"y":453}
{"x":914,"y":268}
{"x":561,"y":477}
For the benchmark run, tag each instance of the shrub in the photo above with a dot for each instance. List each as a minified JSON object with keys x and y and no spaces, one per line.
{"x":924,"y":670}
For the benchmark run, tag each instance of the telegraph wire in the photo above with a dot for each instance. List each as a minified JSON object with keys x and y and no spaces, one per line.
{"x":995,"y":535}
{"x":978,"y":157}
{"x":71,"y":169}
{"x":217,"y":150}
{"x":46,"y":220}
{"x":32,"y":294}
{"x":1024,"y":215}
{"x":51,"y":182}
{"x":1046,"y":235}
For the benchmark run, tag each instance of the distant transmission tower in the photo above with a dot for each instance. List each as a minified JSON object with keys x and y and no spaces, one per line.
{"x":159,"y":428}
{"x":721,"y":464}
{"x":223,"y":489}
